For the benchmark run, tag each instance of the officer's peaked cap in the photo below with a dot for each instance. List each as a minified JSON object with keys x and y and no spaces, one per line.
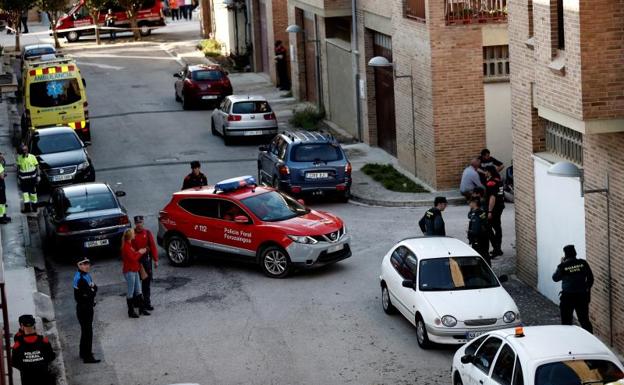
{"x":27,"y":320}
{"x":569,"y":251}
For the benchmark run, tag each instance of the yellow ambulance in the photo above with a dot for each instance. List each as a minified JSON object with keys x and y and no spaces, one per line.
{"x":55,"y":95}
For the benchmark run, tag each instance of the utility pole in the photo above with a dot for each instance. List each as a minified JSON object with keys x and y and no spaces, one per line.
{"x":206,"y":23}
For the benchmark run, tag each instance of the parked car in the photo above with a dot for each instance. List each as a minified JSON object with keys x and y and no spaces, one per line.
{"x":254,"y":223}
{"x":302,"y":162}
{"x":62,"y":156}
{"x":243,"y":116}
{"x":201,"y":84}
{"x":536,"y":355}
{"x":85,"y":216}
{"x":443,"y":287}
{"x":36,"y":51}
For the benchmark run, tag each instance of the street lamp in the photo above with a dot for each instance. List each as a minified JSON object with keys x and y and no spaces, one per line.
{"x":570,"y":170}
{"x":382,"y":62}
{"x":294,"y":28}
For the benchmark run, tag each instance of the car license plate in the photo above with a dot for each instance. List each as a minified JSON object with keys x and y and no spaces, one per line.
{"x":317,"y":175}
{"x":209,"y":97}
{"x":58,"y":178}
{"x":333,"y":249}
{"x":252,"y":133}
{"x":472,"y":335}
{"x":98,"y":243}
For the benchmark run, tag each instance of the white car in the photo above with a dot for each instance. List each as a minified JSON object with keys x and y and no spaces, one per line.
{"x":443,"y":287}
{"x":537,"y":355}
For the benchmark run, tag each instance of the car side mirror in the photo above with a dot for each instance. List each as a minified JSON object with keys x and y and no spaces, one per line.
{"x":177,"y":75}
{"x":301,"y":202}
{"x":467,"y":359}
{"x":503,"y":278}
{"x":120,"y":194}
{"x":241,"y":219}
{"x":408,"y":283}
{"x":263,"y":148}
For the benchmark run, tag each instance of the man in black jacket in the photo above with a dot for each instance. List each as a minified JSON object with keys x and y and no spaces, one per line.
{"x":432,"y":222}
{"x":32,"y":354}
{"x":479,"y":229}
{"x":84,"y":294}
{"x":577,"y":280}
{"x":196,"y":178}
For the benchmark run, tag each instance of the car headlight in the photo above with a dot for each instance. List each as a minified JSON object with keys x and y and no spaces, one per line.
{"x":305,"y":239}
{"x":509,"y":317}
{"x":83,"y":165}
{"x":449,"y":321}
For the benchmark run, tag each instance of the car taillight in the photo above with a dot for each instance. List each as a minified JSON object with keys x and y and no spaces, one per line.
{"x":283,"y":170}
{"x":124,"y":220}
{"x":234,"y":118}
{"x":348,"y":168}
{"x":270,"y":116}
{"x":62,"y":229}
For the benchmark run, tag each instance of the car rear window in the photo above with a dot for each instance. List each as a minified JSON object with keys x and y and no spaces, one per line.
{"x":207,"y":75}
{"x":578,"y":372}
{"x":38,"y":52}
{"x":54,"y":93}
{"x":323,"y":152}
{"x":49,"y":144}
{"x":252,"y":107}
{"x":89,"y":202}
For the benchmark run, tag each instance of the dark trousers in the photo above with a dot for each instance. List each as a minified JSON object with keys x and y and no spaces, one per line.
{"x":483,"y":248}
{"x":175,"y":14}
{"x":183,"y":11}
{"x":85,"y":318}
{"x":575,"y":302}
{"x":282,"y":75}
{"x":147,"y":282}
{"x":496,"y":232}
{"x":31,"y":377}
{"x":24,"y":24}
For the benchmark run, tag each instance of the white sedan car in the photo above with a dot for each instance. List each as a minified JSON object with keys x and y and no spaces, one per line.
{"x":538,"y":355}
{"x":443,"y":287}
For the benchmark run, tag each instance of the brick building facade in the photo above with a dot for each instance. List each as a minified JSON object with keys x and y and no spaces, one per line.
{"x":269,"y":22}
{"x":567,"y":81}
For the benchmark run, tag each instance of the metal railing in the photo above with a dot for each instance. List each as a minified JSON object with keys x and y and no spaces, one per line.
{"x":564,"y":142}
{"x":475,"y":11}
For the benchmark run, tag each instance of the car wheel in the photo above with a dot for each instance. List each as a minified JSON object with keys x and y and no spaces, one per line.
{"x":178,"y":250}
{"x":212,"y":127}
{"x":177,"y":98}
{"x":186,"y":104}
{"x":344,"y":197}
{"x":457,"y":379}
{"x":275,"y":262}
{"x":72,"y":36}
{"x":227,"y":140}
{"x":387,"y":305}
{"x":145,"y":30}
{"x":421,"y":333}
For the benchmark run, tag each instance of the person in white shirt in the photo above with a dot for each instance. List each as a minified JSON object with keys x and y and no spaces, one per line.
{"x":470,"y":178}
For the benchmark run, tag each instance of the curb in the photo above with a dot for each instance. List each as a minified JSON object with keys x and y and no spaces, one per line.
{"x":417,"y":203}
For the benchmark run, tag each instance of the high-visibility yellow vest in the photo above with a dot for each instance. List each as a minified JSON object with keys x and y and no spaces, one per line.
{"x":27,"y":165}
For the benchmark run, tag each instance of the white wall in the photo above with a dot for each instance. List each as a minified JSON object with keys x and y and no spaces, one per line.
{"x":498,"y":120}
{"x":559,"y":221}
{"x":225,"y":28}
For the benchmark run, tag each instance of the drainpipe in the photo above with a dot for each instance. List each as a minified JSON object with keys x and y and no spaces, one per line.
{"x":319,"y":76}
{"x":355,"y":54}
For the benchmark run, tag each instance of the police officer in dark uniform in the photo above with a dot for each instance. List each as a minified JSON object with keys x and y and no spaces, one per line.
{"x":195,"y":178}
{"x":432,"y":222}
{"x":577,"y":280}
{"x":495,"y":198}
{"x":84,"y":294}
{"x":479,"y":229}
{"x":32,"y":353}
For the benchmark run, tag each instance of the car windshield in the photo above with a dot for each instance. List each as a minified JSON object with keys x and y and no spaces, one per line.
{"x":274,"y":206}
{"x":49,"y":144}
{"x":207,"y":75}
{"x":316,"y":152}
{"x":257,"y":107}
{"x":54,"y":93}
{"x":455,"y":273}
{"x":578,"y":372}
{"x":89,"y":202}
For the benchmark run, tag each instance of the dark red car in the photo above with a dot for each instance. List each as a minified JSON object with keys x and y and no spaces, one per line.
{"x":201,"y":84}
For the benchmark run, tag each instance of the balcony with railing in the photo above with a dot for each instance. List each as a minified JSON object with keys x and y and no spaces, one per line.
{"x":475,"y":11}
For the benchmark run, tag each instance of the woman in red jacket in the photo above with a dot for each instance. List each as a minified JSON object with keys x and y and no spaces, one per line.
{"x":131,"y":266}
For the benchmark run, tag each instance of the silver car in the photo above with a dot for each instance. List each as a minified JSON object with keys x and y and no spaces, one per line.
{"x":243,"y":116}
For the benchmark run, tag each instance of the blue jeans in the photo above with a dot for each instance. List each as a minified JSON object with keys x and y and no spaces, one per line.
{"x":134,"y":284}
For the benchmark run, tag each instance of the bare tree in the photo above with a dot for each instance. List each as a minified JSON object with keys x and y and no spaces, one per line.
{"x":14,"y":9}
{"x":95,"y":7}
{"x":132,"y":8}
{"x":54,"y":9}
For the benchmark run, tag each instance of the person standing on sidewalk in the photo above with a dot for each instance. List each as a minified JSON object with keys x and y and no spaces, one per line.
{"x":85,"y":291}
{"x":479,"y":230}
{"x":24,"y":20}
{"x":432,"y":222}
{"x":281,"y":66}
{"x":28,"y":175}
{"x":131,"y":266}
{"x":32,"y":354}
{"x":495,"y":198}
{"x":577,"y":280}
{"x":143,"y":239}
{"x":4,"y":219}
{"x":175,"y":9}
{"x":109,"y":21}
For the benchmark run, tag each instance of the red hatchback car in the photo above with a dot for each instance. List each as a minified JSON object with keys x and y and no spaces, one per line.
{"x":201,"y":84}
{"x":259,"y":224}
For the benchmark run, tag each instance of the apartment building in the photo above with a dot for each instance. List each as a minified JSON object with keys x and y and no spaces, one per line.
{"x":269,"y":23}
{"x":447,"y":95}
{"x":567,"y":81}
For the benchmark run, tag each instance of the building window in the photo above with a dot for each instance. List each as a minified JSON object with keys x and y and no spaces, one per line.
{"x":496,"y":62}
{"x":530,"y":15}
{"x":564,"y":142}
{"x":560,"y":38}
{"x":415,"y":9}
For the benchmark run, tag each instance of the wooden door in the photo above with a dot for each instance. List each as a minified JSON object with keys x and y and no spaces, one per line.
{"x":384,"y":95}
{"x":310,"y":57}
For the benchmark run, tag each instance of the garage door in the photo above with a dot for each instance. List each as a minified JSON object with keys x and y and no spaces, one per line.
{"x":341,"y":86}
{"x":384,"y":95}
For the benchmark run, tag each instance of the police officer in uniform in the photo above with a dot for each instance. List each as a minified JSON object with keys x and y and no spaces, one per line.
{"x":495,"y":198}
{"x":432,"y":222}
{"x":195,"y":178}
{"x":577,"y":280}
{"x":32,"y":353}
{"x":84,"y":294}
{"x":28,"y":174}
{"x":4,"y":219}
{"x":479,"y":229}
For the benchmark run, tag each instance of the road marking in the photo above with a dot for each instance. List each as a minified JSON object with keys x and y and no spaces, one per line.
{"x":102,"y":66}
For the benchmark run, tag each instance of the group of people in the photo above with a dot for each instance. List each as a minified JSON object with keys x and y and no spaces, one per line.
{"x":181,"y":9}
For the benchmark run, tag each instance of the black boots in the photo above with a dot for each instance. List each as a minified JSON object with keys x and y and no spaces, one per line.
{"x":141,"y":305}
{"x":131,"y":312}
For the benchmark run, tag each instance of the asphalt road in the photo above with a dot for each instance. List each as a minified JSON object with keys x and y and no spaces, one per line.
{"x":219,"y":322}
